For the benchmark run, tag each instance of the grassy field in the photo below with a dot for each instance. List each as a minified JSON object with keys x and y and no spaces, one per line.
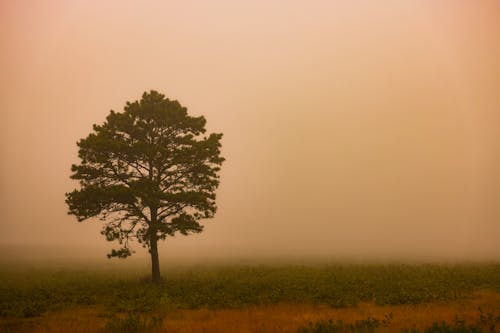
{"x":253,"y":298}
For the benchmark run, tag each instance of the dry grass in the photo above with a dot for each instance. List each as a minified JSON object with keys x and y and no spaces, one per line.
{"x":275,"y":318}
{"x":288,"y":317}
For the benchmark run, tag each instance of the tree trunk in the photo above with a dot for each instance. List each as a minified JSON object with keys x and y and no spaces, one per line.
{"x":155,"y":263}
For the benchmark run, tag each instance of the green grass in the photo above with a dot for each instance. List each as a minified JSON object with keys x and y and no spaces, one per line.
{"x":27,"y":293}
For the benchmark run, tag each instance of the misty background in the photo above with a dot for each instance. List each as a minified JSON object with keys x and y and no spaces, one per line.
{"x":366,"y":129}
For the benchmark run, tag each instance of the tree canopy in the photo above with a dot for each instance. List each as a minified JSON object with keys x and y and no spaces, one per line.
{"x":148,"y":172}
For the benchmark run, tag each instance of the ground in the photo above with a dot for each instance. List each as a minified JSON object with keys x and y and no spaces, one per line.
{"x":290,"y":298}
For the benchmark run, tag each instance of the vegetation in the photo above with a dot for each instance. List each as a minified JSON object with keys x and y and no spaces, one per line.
{"x":133,"y":323}
{"x":482,"y":324}
{"x":29,"y":295}
{"x":368,"y":325}
{"x":148,"y":173}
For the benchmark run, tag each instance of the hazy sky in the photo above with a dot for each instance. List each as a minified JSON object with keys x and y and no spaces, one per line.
{"x":350,"y":127}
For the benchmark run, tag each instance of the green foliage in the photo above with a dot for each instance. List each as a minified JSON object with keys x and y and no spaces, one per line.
{"x":488,"y":320}
{"x":133,"y":323}
{"x":443,"y":327}
{"x":23,"y":294}
{"x":368,"y":325}
{"x":33,"y":309}
{"x":485,"y":323}
{"x":148,"y":172}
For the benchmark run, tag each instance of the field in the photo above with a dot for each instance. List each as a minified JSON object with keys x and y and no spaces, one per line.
{"x":301,"y":298}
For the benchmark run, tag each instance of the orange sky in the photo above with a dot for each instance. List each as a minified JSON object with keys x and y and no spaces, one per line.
{"x":365,"y":128}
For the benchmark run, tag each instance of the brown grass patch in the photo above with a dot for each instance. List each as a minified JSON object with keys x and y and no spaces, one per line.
{"x":272,"y":318}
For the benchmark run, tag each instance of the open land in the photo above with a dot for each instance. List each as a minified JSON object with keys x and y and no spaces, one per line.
{"x":303,"y":298}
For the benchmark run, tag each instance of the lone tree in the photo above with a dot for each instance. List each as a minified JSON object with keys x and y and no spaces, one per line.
{"x":147,"y":172}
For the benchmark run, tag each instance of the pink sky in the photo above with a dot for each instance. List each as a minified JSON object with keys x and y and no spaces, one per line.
{"x":367,"y":127}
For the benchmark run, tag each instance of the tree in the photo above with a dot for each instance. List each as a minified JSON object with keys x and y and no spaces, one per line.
{"x":147,"y":172}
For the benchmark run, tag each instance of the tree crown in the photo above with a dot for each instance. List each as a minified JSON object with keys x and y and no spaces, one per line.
{"x":148,"y":172}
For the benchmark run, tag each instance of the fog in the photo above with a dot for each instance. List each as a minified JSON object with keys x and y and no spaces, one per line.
{"x":363,"y":129}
